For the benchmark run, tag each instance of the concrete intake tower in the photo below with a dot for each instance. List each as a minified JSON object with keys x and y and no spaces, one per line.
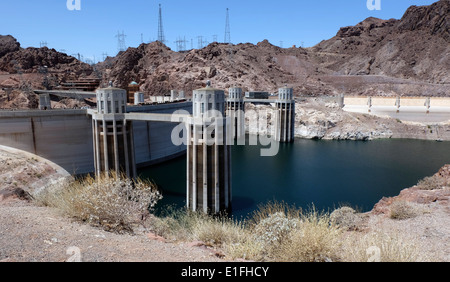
{"x":208,"y":153}
{"x":112,"y":134}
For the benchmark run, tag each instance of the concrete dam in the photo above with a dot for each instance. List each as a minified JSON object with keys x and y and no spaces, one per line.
{"x":66,"y":136}
{"x":118,"y":137}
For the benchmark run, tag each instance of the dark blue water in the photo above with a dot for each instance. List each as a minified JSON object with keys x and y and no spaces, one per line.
{"x":326,"y":174}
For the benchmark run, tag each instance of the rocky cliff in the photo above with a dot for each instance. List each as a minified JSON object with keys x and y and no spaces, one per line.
{"x":414,"y":47}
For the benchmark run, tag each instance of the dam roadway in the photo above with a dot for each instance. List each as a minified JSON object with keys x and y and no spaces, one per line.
{"x":406,"y":113}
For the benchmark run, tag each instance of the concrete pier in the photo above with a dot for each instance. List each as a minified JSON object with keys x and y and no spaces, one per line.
{"x":285,"y":106}
{"x":112,"y":134}
{"x":236,"y":111}
{"x":208,"y":154}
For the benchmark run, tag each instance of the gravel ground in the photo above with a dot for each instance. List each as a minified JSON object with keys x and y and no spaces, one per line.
{"x":38,"y":234}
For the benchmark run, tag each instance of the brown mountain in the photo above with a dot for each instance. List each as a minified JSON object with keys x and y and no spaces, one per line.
{"x":415,"y":47}
{"x":255,"y":67}
{"x":409,"y":56}
{"x":31,"y":60}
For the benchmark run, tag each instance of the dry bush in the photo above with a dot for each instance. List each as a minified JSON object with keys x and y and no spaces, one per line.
{"x":381,"y":247}
{"x":314,"y":239}
{"x":284,"y":234}
{"x":176,"y":224}
{"x":274,"y":207}
{"x":218,"y":231}
{"x":404,"y":210}
{"x":347,"y":218}
{"x":432,"y":183}
{"x":110,"y":201}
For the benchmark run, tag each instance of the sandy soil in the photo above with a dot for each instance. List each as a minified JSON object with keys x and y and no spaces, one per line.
{"x":37,"y":234}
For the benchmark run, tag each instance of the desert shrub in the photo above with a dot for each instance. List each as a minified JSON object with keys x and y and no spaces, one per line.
{"x":110,"y":201}
{"x":218,"y":231}
{"x":286,"y":234}
{"x":264,"y":211}
{"x":431,"y":183}
{"x":346,"y":218}
{"x":382,"y":247}
{"x":404,"y":210}
{"x":314,"y":239}
{"x":176,"y":224}
{"x":183,"y":224}
{"x":274,"y":229}
{"x":246,"y":247}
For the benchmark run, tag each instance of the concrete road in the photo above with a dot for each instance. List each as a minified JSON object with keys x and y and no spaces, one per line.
{"x":406,"y":113}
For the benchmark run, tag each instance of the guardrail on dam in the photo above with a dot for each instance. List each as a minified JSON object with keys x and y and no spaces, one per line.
{"x":65,"y":136}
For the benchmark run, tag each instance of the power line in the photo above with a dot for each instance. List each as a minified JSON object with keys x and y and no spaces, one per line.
{"x":121,"y":46}
{"x":181,"y":44}
{"x":200,"y":42}
{"x":227,"y":38}
{"x":161,"y":37}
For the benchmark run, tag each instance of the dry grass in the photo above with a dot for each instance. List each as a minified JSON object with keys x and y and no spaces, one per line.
{"x":314,"y":239}
{"x":432,"y":183}
{"x":276,"y":232}
{"x":347,"y":218}
{"x":110,"y":201}
{"x":281,"y":233}
{"x":381,"y":247}
{"x":404,"y":210}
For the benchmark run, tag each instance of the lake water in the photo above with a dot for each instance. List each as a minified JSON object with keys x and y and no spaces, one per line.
{"x":326,"y":174}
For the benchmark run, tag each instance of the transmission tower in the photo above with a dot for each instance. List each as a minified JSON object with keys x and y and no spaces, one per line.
{"x":181,"y":44}
{"x":121,"y":41}
{"x":43,"y":44}
{"x":200,"y":42}
{"x":161,"y":37}
{"x":227,"y":29}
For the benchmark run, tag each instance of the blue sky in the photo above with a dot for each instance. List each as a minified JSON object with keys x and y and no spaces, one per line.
{"x":91,"y":31}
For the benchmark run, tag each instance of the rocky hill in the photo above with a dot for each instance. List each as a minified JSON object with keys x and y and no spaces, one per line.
{"x":22,"y":70}
{"x":408,"y":57}
{"x":415,"y":47}
{"x":254,"y":67}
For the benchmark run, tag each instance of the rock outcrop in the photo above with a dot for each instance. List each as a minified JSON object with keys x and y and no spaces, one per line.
{"x":414,"y":47}
{"x":8,"y":44}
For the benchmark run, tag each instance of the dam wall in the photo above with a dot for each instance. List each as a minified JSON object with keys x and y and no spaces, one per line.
{"x":152,"y":140}
{"x":65,"y":136}
{"x":61,"y":136}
